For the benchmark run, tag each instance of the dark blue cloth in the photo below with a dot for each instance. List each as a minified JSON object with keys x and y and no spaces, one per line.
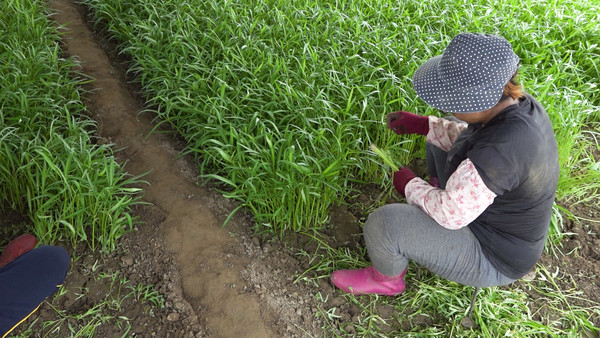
{"x":516,"y":155}
{"x":27,"y":281}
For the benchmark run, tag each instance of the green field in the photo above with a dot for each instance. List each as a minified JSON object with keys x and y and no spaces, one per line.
{"x":279,"y":102}
{"x":50,"y":169}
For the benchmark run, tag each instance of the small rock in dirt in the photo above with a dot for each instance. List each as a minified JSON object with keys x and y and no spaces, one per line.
{"x":127,"y":260}
{"x":173,"y":317}
{"x":529,"y":276}
{"x":255,"y":241}
{"x":468,"y":323}
{"x":344,"y":317}
{"x":423,"y":320}
{"x":336,"y":301}
{"x":385,"y":311}
{"x":324,"y":284}
{"x":350,"y":329}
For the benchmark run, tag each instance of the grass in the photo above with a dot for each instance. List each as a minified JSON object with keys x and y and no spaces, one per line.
{"x":282,"y":118}
{"x":92,"y":309}
{"x":432,"y":306}
{"x":280,"y":100}
{"x":50,"y":168}
{"x":385,"y":157}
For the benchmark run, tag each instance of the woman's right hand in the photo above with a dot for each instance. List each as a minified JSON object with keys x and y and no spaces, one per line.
{"x":403,"y":122}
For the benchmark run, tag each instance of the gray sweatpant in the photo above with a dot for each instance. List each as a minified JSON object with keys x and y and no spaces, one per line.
{"x":397,"y":233}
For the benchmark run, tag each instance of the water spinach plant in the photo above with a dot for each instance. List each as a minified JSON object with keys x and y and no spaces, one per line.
{"x":50,"y":168}
{"x":280,"y":101}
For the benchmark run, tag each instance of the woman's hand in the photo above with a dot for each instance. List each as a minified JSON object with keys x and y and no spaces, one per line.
{"x":403,"y":122}
{"x":401,"y":179}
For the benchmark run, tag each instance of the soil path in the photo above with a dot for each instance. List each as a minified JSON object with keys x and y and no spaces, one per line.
{"x":209,"y":277}
{"x":227,"y":282}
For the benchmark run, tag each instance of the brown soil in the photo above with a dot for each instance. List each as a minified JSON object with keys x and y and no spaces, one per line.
{"x":215,"y":281}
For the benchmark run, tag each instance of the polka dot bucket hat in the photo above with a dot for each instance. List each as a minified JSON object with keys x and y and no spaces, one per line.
{"x":469,"y":76}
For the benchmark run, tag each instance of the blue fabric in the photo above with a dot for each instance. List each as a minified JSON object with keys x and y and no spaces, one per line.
{"x":27,"y":281}
{"x":516,"y":155}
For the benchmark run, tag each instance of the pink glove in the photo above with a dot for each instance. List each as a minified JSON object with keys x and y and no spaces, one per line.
{"x":17,"y":247}
{"x":403,"y":122}
{"x":401,"y":179}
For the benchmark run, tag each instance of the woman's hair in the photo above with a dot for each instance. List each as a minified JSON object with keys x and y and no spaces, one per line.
{"x":513,"y":88}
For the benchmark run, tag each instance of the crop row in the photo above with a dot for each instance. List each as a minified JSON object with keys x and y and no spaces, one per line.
{"x":280,"y":100}
{"x":50,"y":170}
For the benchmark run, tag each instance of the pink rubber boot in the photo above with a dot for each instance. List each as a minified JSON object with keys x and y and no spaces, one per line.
{"x":369,"y":280}
{"x":17,"y":247}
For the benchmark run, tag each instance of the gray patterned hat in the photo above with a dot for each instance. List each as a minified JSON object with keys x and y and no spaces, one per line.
{"x":469,"y":76}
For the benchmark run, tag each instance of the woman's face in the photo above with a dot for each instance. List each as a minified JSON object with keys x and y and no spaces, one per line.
{"x":486,"y":115}
{"x":472,"y":118}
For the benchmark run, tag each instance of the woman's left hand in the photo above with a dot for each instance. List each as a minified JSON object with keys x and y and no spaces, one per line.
{"x":401,"y":179}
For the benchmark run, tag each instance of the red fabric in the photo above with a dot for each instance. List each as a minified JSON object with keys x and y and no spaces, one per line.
{"x":17,"y":247}
{"x":401,"y":179}
{"x":403,"y":122}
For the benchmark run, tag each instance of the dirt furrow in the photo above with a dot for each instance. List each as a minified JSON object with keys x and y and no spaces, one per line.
{"x":210,"y":278}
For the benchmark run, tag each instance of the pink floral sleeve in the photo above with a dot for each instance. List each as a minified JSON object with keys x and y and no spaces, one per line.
{"x":466,"y":196}
{"x":443,"y":133}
